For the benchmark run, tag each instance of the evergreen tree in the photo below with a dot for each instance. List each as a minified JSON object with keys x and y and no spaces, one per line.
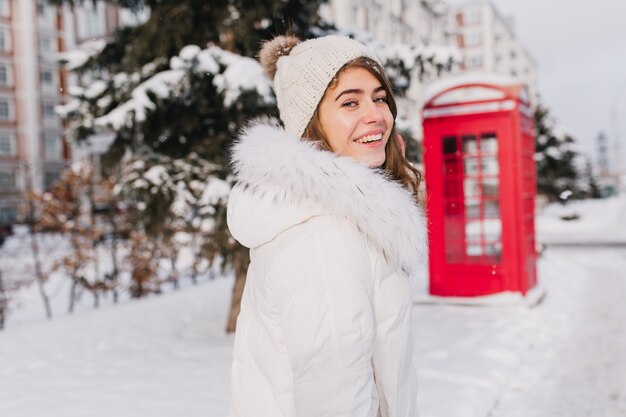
{"x":558,"y":160}
{"x":593,"y":189}
{"x":171,"y":103}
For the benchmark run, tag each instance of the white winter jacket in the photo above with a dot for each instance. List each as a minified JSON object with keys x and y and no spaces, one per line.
{"x":325,"y":322}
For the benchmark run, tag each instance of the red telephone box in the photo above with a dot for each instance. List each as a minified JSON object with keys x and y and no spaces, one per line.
{"x":480,"y":184}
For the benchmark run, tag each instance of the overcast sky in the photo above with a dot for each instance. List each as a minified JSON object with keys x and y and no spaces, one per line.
{"x":580,"y":48}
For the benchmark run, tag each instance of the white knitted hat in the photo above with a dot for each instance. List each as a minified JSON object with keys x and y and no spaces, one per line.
{"x":302,"y":72}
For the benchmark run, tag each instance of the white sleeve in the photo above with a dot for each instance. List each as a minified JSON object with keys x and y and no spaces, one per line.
{"x":320,"y":284}
{"x":393,"y":347}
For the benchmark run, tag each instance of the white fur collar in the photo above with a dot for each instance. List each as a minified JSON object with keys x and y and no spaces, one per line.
{"x":268,"y":160}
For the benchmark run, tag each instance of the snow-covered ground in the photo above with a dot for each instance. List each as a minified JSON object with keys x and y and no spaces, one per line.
{"x":600,"y":221}
{"x":168,"y":355}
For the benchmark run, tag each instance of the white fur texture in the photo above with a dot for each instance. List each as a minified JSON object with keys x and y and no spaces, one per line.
{"x":267,"y":159}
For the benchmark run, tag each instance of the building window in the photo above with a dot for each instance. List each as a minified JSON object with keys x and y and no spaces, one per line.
{"x":4,"y":75}
{"x":473,"y":60}
{"x":52,"y":146}
{"x":5,"y":39}
{"x":91,"y":20}
{"x":4,"y":8}
{"x":45,"y":44}
{"x":46,"y":76}
{"x":7,"y":180}
{"x":472,"y":38}
{"x":50,"y":177}
{"x":41,"y":6}
{"x":5,"y":109}
{"x":47,"y":109}
{"x":46,"y":14}
{"x":6,"y":144}
{"x":8,"y":214}
{"x":471,"y":16}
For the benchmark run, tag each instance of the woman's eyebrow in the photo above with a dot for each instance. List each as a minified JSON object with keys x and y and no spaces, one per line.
{"x":358,"y":91}
{"x":349,"y":91}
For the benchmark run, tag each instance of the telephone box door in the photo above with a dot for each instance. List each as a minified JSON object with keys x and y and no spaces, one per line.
{"x":471,"y":234}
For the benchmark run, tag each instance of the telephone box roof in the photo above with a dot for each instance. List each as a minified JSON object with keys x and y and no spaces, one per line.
{"x":510,"y":85}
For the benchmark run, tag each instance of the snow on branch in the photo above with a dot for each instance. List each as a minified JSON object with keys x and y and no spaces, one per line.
{"x":189,"y":184}
{"x":76,"y":58}
{"x":126,"y":99}
{"x":162,"y":85}
{"x":241,"y":74}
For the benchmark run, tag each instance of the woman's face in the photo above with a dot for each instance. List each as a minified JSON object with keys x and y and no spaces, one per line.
{"x":355,"y":117}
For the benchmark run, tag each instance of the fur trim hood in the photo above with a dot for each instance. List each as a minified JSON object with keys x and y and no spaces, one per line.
{"x":284,"y":181}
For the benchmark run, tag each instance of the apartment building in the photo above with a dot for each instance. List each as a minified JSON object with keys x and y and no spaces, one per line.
{"x":8,"y":130}
{"x":31,"y":146}
{"x":390,"y":22}
{"x":489,"y":46}
{"x":33,"y":150}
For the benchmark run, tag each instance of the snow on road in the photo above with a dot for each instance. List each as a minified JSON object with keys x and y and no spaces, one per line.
{"x":159,"y":357}
{"x":563,"y":357}
{"x":576,"y":364}
{"x":599,"y":221}
{"x":168,"y":355}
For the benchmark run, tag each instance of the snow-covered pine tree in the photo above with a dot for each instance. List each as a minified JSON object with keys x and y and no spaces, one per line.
{"x":558,"y":159}
{"x":163,"y":95}
{"x":166,"y":97}
{"x":590,"y":181}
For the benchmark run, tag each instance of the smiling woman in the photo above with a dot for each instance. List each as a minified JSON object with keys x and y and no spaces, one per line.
{"x":348,"y":108}
{"x":328,"y":208}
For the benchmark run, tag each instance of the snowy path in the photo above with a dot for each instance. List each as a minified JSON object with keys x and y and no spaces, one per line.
{"x":577,"y":362}
{"x":160,"y":357}
{"x":168,"y":356}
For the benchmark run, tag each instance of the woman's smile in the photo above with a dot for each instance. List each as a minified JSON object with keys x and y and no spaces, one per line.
{"x":370,"y":138}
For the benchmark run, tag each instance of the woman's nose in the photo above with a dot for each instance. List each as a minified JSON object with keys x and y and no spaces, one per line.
{"x":373,"y":113}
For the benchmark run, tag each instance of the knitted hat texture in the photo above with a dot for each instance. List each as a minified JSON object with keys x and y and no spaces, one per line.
{"x":302,"y":72}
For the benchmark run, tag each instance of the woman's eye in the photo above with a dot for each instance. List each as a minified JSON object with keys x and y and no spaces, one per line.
{"x":349,"y":103}
{"x":382,"y":99}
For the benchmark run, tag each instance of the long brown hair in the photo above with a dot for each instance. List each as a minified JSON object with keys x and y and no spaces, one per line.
{"x":396,"y":165}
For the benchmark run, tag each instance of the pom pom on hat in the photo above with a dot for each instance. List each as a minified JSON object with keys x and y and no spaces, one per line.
{"x":301,"y":72}
{"x":272,"y":50}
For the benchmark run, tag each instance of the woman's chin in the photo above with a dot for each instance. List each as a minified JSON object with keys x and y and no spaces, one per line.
{"x":373,"y":158}
{"x":376,"y":162}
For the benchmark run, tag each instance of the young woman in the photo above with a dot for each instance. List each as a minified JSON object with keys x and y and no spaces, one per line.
{"x":328,"y":207}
